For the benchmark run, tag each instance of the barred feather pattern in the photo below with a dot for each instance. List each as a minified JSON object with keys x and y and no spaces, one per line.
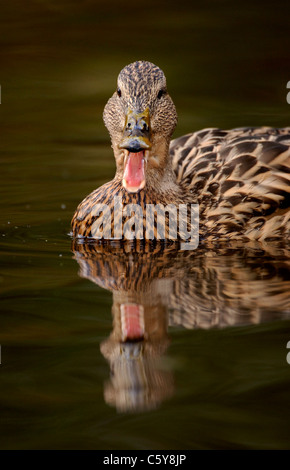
{"x":86,"y":221}
{"x":240,"y":178}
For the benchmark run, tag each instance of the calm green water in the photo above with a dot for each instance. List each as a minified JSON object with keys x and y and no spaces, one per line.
{"x":215,"y":373}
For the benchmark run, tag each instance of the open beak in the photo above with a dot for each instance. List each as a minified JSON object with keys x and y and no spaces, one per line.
{"x":136,"y":143}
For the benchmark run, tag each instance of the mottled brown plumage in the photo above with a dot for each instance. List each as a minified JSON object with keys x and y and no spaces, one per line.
{"x":240,"y":177}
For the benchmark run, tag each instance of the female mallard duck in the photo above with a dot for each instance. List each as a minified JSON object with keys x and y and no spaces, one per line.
{"x":239,"y":178}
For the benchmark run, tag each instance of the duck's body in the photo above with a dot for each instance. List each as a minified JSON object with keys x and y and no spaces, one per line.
{"x":239,"y":178}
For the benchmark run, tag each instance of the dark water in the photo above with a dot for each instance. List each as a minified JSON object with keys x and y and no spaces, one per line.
{"x":213,"y":371}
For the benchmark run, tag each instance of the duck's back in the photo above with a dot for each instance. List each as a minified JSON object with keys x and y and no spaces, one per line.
{"x":240,"y":178}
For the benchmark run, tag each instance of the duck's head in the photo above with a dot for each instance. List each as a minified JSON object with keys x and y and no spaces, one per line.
{"x":141,"y":117}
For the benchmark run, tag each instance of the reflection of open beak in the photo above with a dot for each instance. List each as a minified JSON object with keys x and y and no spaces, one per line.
{"x":132,"y":322}
{"x":132,"y":351}
{"x":136,"y":143}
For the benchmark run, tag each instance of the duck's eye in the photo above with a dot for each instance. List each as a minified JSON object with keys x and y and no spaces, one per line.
{"x":161,"y":93}
{"x":119,"y":92}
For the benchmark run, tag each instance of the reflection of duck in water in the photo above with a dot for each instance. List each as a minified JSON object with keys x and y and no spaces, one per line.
{"x":140,"y":380}
{"x":166,"y":287}
{"x":239,"y":178}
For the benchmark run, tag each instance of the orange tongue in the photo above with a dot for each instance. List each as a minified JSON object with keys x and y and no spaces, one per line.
{"x":134,"y":174}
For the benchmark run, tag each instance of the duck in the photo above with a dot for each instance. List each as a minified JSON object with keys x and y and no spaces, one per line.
{"x":237,"y":180}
